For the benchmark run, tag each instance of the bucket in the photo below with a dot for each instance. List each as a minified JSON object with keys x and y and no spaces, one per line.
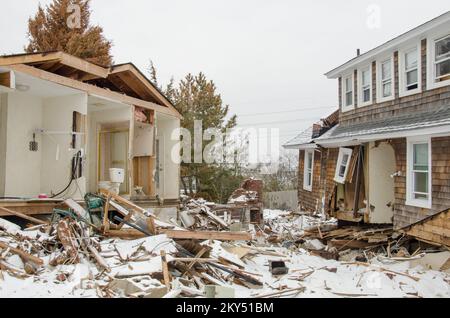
{"x":117,"y":175}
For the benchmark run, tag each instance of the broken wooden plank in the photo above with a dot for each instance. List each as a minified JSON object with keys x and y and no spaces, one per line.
{"x":165,"y":269}
{"x":68,"y":240}
{"x":216,"y":218}
{"x":23,"y":254}
{"x":23,"y":216}
{"x":207,"y":235}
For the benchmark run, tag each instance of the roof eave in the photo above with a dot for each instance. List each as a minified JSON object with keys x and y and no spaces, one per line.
{"x":417,"y":31}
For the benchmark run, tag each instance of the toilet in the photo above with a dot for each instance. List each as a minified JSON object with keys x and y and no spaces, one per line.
{"x":117,"y":177}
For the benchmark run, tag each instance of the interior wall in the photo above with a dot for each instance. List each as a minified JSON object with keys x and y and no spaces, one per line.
{"x":3,"y":126}
{"x":171,"y":172}
{"x":23,"y":173}
{"x":57,"y":115}
{"x":96,"y":119}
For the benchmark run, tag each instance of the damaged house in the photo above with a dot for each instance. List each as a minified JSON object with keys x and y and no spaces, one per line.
{"x":386,"y":158}
{"x":69,"y":127}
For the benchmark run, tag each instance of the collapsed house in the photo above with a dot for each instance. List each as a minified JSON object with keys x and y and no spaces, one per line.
{"x":386,"y":158}
{"x":69,"y":127}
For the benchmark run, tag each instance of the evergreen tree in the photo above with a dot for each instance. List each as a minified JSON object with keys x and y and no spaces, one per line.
{"x":64,"y":25}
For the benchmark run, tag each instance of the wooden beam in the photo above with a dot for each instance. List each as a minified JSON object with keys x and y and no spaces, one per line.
{"x":165,"y":269}
{"x":131,"y":68}
{"x":207,"y":235}
{"x":178,"y":234}
{"x":92,"y":90}
{"x":84,"y":66}
{"x":61,"y":57}
{"x":23,"y":216}
{"x":7,"y":79}
{"x":30,"y":58}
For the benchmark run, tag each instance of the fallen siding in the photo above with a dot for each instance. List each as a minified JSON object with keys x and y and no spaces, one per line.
{"x":434,"y":229}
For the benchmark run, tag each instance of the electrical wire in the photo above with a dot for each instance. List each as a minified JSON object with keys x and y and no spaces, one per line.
{"x":72,"y":176}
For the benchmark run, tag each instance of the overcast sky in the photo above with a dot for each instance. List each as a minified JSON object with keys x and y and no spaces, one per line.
{"x":264,"y":56}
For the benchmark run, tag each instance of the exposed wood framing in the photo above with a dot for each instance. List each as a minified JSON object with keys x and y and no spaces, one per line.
{"x":55,"y":58}
{"x":7,"y":79}
{"x":92,"y":90}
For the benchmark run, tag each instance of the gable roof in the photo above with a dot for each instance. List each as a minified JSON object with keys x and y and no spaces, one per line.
{"x":123,"y":78}
{"x":393,"y":43}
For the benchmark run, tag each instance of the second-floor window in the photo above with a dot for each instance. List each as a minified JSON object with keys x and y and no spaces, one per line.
{"x":442,"y":59}
{"x":411,"y":70}
{"x":386,"y":79}
{"x":347,"y":92}
{"x":365,"y":86}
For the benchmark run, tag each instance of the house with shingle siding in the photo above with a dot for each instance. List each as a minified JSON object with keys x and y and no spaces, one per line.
{"x":387,"y":160}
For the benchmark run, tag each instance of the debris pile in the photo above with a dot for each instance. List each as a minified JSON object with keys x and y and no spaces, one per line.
{"x":125,"y":251}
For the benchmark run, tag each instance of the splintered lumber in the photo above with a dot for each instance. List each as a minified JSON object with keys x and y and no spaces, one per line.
{"x":165,"y":269}
{"x":78,"y":209}
{"x":216,"y":218}
{"x":207,"y":235}
{"x":24,"y":216}
{"x":105,"y":214}
{"x":122,"y":201}
{"x":193,"y":260}
{"x":23,"y":254}
{"x":68,"y":240}
{"x":379,"y":268}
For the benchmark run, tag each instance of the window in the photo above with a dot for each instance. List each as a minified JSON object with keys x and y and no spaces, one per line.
{"x":365,"y":93}
{"x":347,"y":94}
{"x":385,"y":77}
{"x":419,"y":172}
{"x":308,"y":170}
{"x":409,"y":71}
{"x":343,"y":161}
{"x":442,"y":59}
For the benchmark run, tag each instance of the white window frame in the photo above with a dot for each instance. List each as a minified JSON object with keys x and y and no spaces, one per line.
{"x":361,"y":103}
{"x":346,"y":107}
{"x":342,"y":152}
{"x":410,"y":200}
{"x":431,"y":65}
{"x":306,"y":186}
{"x":380,"y":62}
{"x":402,"y":71}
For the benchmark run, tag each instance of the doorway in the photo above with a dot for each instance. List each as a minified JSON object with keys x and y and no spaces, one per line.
{"x":113,"y":153}
{"x":381,"y":166}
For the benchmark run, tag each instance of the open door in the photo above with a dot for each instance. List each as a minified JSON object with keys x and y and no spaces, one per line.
{"x":381,"y":183}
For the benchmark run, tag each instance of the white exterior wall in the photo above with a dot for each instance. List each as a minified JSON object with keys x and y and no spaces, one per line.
{"x":57,"y":115}
{"x":23,"y":167}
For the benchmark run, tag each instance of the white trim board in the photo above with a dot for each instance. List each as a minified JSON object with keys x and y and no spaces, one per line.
{"x":438,"y":131}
